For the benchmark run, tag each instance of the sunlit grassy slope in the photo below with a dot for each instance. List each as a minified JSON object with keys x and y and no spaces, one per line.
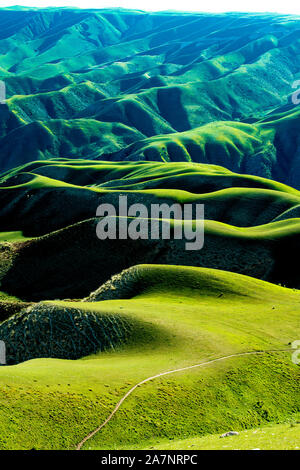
{"x":278,"y":436}
{"x":161,"y":108}
{"x":129,"y":85}
{"x":185,"y":316}
{"x":253,"y":221}
{"x":266,"y":148}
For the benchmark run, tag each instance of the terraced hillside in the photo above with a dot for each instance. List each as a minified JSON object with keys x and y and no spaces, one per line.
{"x":174,"y":108}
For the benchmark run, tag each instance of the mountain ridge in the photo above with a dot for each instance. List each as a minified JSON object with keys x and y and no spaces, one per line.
{"x":158,"y":74}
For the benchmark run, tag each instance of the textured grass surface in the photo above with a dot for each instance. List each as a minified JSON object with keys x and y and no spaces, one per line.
{"x":188,"y":321}
{"x":161,"y":107}
{"x":276,"y":437}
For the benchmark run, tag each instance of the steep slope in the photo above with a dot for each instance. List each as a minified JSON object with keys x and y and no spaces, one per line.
{"x":268,"y":148}
{"x":160,"y":109}
{"x":163,"y":77}
{"x":253,"y":222}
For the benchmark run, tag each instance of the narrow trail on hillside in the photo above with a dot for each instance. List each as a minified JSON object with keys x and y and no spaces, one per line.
{"x":148,"y":379}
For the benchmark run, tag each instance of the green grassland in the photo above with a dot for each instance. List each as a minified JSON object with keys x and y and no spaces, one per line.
{"x":252,"y":220}
{"x":151,"y":86}
{"x":183,"y":320}
{"x":161,"y":108}
{"x":278,"y":436}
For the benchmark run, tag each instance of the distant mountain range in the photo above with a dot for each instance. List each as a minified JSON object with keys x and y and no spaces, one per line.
{"x":129,"y":85}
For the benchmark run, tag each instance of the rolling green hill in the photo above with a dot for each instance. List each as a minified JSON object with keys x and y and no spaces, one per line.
{"x":151,"y":86}
{"x":279,"y":436}
{"x":253,"y":222}
{"x":163,"y":108}
{"x":183,"y":316}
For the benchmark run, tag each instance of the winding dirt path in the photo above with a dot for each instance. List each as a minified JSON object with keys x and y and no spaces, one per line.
{"x":148,"y":379}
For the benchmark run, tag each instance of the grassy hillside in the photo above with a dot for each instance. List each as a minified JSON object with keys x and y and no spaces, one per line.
{"x":46,"y":221}
{"x":151,"y":86}
{"x":183,"y":320}
{"x":175,"y":108}
{"x":279,"y":436}
{"x":267,"y":148}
